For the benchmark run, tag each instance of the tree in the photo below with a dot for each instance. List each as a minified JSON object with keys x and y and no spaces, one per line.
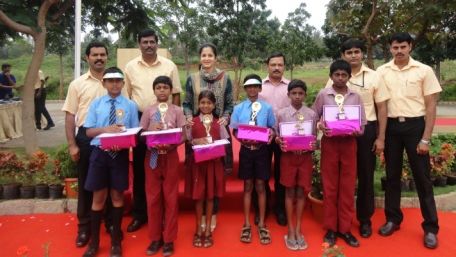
{"x":296,"y":39}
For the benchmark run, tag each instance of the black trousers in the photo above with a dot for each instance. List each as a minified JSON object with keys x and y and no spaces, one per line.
{"x":84,"y":196}
{"x":366,"y":160}
{"x":139,"y":210}
{"x":406,"y":135}
{"x":40,"y":108}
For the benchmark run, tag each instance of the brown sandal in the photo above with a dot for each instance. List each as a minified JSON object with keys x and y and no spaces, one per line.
{"x":246,"y":234}
{"x":197,"y":241}
{"x":208,"y":241}
{"x":265,"y":237}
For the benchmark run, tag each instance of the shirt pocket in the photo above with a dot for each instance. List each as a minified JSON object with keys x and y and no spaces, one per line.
{"x":367,"y":95}
{"x":413,"y":89}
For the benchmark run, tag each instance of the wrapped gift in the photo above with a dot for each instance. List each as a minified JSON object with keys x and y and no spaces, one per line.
{"x":209,"y":151}
{"x":251,"y":132}
{"x":297,"y":143}
{"x":122,"y":140}
{"x":296,"y":128}
{"x":163,"y":137}
{"x":347,"y":126}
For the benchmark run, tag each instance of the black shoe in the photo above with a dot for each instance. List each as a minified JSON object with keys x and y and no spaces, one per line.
{"x":91,"y":251}
{"x":388,"y":229}
{"x":134,"y":225}
{"x":168,"y":249}
{"x":365,"y":230}
{"x":48,"y":126}
{"x":82,"y":239}
{"x":281,"y":218}
{"x":154,"y":247}
{"x":430,"y":240}
{"x":116,"y":251}
{"x":349,"y":239}
{"x":330,"y":238}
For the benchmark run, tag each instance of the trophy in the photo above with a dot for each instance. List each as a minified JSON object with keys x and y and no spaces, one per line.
{"x":300,"y":119}
{"x":120,"y":115}
{"x":162,"y":108}
{"x":339,"y":98}
{"x":207,"y":122}
{"x":256,"y":107}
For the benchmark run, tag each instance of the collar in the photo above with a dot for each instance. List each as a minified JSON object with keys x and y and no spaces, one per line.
{"x":295,"y":111}
{"x":364,"y":68}
{"x":116,"y":99}
{"x":91,"y":76}
{"x":410,"y":64}
{"x":331,"y":91}
{"x":141,"y":61}
{"x":282,"y":80}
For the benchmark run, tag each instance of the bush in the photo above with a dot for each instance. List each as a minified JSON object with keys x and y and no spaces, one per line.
{"x":64,"y":165}
{"x":448,"y":93}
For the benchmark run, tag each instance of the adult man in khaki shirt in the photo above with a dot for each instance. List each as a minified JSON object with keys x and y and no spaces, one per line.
{"x":414,"y":91}
{"x":81,"y":92}
{"x":139,"y":76}
{"x":374,"y":94}
{"x":40,"y":102}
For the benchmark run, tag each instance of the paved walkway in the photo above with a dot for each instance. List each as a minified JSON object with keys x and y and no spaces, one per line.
{"x":56,"y":135}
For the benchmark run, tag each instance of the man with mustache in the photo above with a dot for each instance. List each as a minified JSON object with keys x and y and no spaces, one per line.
{"x":374,"y":94}
{"x":414,"y":91}
{"x":139,"y":76}
{"x":81,"y":92}
{"x":275,"y":92}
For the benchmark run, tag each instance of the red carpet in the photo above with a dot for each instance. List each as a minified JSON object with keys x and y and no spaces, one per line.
{"x":445,"y":121}
{"x":59,"y":230}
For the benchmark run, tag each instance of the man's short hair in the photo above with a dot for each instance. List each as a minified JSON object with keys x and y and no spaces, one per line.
{"x":147,"y":33}
{"x":401,"y":37}
{"x":274,"y":55}
{"x":340,"y":65}
{"x":5,"y":65}
{"x":297,"y":83}
{"x":95,"y":44}
{"x":163,"y":80}
{"x":353,"y":43}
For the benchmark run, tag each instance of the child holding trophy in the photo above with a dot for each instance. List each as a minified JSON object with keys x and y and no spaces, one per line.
{"x":161,"y":170}
{"x":296,"y":123}
{"x":254,"y":164}
{"x":338,"y":109}
{"x":108,"y":168}
{"x":205,"y":180}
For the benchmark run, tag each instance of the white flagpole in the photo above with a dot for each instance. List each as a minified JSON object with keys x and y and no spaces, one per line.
{"x":77,"y":41}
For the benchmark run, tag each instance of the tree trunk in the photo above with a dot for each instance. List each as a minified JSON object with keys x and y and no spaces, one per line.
{"x":291,"y":71}
{"x":437,"y":70}
{"x":370,"y":55}
{"x":187,"y":63}
{"x":61,"y":77}
{"x":28,"y":106}
{"x":237,"y":79}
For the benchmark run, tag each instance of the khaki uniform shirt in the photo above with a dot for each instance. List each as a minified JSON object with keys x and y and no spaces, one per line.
{"x":370,"y":86}
{"x":139,"y":77}
{"x":39,"y":79}
{"x":80,"y":94}
{"x":408,"y":87}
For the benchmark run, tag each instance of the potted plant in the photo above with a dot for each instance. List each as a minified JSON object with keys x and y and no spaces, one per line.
{"x":316,"y":195}
{"x":441,"y":163}
{"x":10,"y":169}
{"x":68,"y":170}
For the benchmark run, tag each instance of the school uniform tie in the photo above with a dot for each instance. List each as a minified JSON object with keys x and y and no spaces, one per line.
{"x":153,"y":162}
{"x":112,"y":121}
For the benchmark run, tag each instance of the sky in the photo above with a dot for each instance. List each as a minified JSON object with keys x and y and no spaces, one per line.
{"x":316,"y":8}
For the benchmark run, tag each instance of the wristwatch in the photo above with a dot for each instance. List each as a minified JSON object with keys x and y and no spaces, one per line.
{"x":425,"y":142}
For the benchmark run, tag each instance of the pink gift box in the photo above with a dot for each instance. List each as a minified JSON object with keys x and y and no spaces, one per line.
{"x":209,"y":153}
{"x":163,"y":137}
{"x":126,"y":141}
{"x":343,"y":127}
{"x":250,"y":132}
{"x":296,"y":143}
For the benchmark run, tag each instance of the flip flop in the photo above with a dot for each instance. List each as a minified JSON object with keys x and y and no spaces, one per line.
{"x":290,"y":243}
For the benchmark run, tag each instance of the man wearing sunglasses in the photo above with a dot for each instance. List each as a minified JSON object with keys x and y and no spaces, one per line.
{"x":374,"y":94}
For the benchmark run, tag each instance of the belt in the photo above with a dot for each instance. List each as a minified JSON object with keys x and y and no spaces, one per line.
{"x":404,"y":119}
{"x":253,"y":146}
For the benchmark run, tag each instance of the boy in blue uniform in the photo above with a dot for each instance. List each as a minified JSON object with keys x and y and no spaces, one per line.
{"x":108,"y":169}
{"x":254,"y":166}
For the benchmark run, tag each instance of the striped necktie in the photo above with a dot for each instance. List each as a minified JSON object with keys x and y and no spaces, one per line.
{"x":112,"y":121}
{"x":153,"y":162}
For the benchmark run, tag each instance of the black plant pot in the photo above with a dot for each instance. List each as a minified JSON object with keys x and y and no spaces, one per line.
{"x":383,"y":183}
{"x":412,"y":186}
{"x":11,"y":191}
{"x":55,"y":191}
{"x":42,"y":191}
{"x":440,"y":181}
{"x":27,"y":192}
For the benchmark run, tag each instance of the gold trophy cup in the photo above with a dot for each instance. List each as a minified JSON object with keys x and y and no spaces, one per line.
{"x":207,"y":122}
{"x":120,"y":115}
{"x":163,"y":108}
{"x":256,"y":107}
{"x":339,"y":98}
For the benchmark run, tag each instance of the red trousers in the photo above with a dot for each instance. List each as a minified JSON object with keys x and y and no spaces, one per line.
{"x":338,"y":171}
{"x":161,"y":195}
